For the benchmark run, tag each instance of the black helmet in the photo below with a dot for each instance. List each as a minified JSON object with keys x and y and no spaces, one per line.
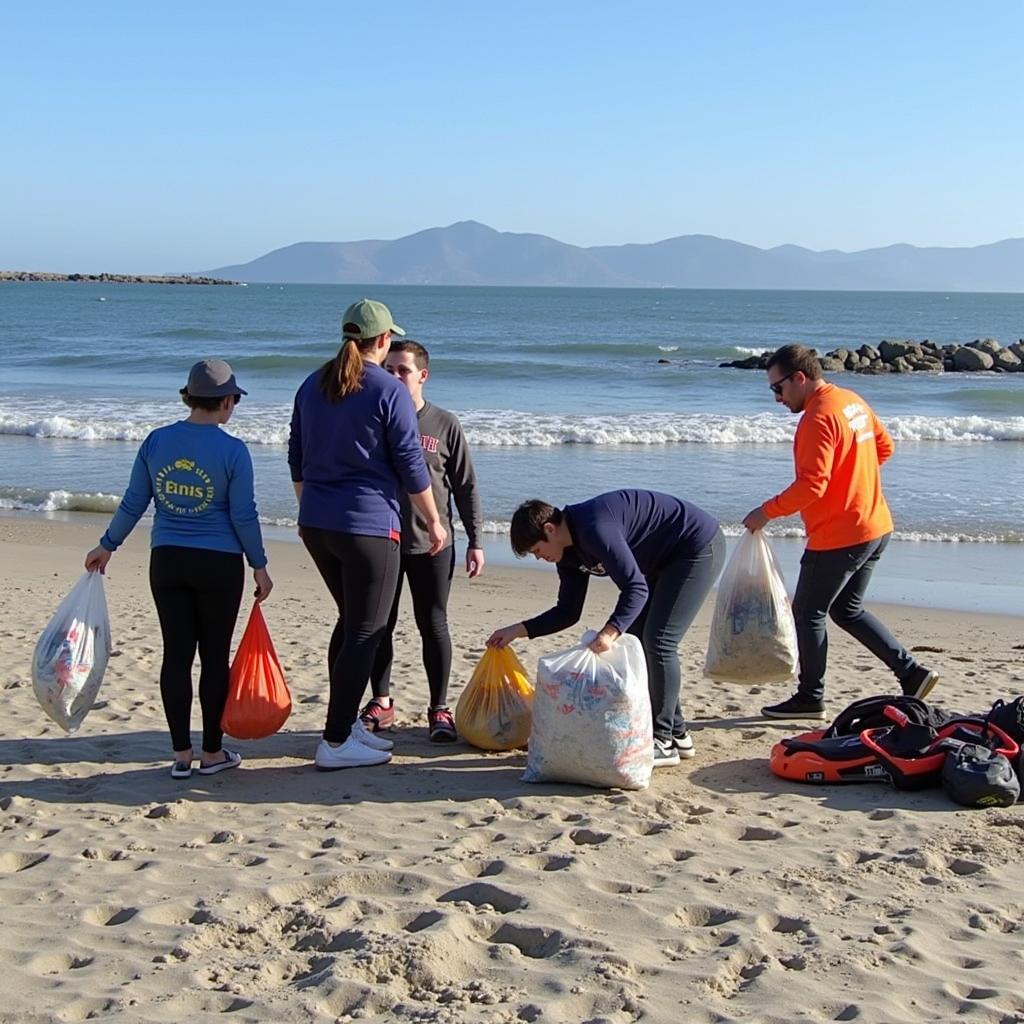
{"x":975,"y":776}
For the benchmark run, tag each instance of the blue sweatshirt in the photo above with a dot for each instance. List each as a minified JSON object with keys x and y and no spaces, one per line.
{"x":200,"y":480}
{"x":355,"y":456}
{"x":628,"y":536}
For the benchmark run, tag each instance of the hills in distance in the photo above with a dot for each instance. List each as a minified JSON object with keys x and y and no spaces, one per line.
{"x":469,"y":253}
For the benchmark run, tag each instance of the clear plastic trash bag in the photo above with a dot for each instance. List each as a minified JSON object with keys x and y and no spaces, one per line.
{"x":592,"y":717}
{"x":72,"y":653}
{"x":753,"y":635}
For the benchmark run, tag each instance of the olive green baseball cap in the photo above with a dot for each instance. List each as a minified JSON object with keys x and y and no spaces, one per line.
{"x":367,"y":319}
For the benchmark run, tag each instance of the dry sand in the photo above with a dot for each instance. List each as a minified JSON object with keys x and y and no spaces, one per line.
{"x":440,"y":887}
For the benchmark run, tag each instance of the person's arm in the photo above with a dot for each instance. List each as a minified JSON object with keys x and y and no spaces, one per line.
{"x":461,"y":477}
{"x":133,"y":505}
{"x":295,"y":448}
{"x":815,"y":450}
{"x":884,"y":444}
{"x":427,"y":508}
{"x":608,"y":543}
{"x":572,"y":593}
{"x":245,"y":519}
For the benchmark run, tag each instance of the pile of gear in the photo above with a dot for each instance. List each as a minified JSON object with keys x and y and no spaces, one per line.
{"x":901,"y":740}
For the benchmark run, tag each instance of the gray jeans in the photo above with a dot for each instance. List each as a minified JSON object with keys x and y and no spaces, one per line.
{"x":832,"y":583}
{"x":677,"y":591}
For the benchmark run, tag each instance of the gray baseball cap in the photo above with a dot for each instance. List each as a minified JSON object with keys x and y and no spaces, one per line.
{"x":211,"y":378}
{"x":370,"y":318}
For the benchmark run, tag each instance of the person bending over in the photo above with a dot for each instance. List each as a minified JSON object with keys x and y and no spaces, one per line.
{"x":664,"y":554}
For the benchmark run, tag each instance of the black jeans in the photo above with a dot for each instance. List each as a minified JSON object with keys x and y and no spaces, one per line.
{"x":430,"y":583}
{"x":833,"y":583}
{"x":197,"y":595}
{"x":361,"y":573}
{"x":677,"y":591}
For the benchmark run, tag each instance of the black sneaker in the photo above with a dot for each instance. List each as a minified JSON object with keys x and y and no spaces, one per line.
{"x":796,"y":706}
{"x":665,"y":754}
{"x":920,"y":682}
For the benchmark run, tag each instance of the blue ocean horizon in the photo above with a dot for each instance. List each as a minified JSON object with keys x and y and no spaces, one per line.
{"x":563,"y":393}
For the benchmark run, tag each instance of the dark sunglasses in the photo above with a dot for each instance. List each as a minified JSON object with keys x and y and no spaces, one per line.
{"x":776,"y":388}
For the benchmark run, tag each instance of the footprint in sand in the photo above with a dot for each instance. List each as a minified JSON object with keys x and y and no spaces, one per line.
{"x":535,"y":943}
{"x":481,"y":894}
{"x":589,"y":837}
{"x":108,"y":917}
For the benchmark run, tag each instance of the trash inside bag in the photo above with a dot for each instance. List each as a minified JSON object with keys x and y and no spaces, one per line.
{"x":753,"y":635}
{"x":258,"y":701}
{"x":72,"y":653}
{"x":495,"y":708}
{"x":592,"y":717}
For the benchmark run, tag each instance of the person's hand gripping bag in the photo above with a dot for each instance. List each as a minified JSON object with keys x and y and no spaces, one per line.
{"x":72,"y":653}
{"x":495,"y":709}
{"x":258,"y":701}
{"x":753,"y":635}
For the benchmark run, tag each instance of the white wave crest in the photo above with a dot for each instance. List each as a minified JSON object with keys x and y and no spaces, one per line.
{"x":57,"y":501}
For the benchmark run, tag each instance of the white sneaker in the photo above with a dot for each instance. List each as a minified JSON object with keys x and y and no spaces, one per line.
{"x":665,"y":754}
{"x":684,"y":745}
{"x":370,"y":739}
{"x":351,"y":754}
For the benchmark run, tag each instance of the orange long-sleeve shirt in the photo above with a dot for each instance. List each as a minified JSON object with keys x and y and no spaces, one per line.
{"x":839,"y":448}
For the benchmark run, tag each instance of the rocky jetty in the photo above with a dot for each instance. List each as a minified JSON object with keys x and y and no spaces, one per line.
{"x":31,"y":275}
{"x":895,"y":356}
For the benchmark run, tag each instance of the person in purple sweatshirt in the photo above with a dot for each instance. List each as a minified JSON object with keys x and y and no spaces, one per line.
{"x":664,"y":554}
{"x":200,"y":481}
{"x":354,"y":447}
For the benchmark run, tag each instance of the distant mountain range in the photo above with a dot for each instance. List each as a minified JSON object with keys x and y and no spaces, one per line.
{"x":468,"y":253}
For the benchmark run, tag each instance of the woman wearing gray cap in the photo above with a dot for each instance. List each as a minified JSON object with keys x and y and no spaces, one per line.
{"x":200,"y":481}
{"x":354,"y":447}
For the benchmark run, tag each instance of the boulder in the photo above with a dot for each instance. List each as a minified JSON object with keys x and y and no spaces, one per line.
{"x":1017,"y":348}
{"x":1007,"y":360}
{"x":890,"y":350}
{"x":831,"y":365}
{"x":868,"y":352}
{"x":969,"y":358}
{"x":926,"y":364}
{"x":900,"y":365}
{"x":989,"y":345}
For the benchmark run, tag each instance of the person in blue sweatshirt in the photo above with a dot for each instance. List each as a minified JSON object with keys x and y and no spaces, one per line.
{"x":354,"y":447}
{"x":201,"y":483}
{"x":664,"y":554}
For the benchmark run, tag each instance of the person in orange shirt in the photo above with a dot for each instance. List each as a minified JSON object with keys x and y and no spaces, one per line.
{"x":838,"y":450}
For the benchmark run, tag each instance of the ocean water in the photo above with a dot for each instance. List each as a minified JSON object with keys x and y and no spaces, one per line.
{"x":562,"y":392}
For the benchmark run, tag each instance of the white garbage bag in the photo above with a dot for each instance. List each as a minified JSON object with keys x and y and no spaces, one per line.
{"x":592,"y":717}
{"x":753,"y":635}
{"x":72,"y":653}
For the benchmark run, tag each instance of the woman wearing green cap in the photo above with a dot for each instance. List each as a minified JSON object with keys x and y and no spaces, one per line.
{"x":200,"y":481}
{"x":354,"y":447}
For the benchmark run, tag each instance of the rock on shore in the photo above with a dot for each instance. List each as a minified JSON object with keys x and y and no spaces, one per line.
{"x":30,"y":275}
{"x":894,"y":356}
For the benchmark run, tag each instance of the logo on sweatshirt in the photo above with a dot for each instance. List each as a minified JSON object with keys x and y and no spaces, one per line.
{"x":428,"y":443}
{"x":183,"y":488}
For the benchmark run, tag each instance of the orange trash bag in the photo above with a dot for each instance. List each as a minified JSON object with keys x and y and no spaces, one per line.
{"x":496,"y":707}
{"x":258,"y":701}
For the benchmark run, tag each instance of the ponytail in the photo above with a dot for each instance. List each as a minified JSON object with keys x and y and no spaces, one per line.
{"x":343,"y":375}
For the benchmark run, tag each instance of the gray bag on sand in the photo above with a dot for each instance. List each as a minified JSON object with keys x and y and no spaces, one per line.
{"x":592,"y":717}
{"x":71,"y":655}
{"x":753,"y":635}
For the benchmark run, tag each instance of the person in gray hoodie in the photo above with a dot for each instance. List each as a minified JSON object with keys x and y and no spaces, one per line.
{"x":452,"y":479}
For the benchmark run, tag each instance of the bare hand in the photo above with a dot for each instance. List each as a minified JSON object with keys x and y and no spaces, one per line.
{"x":605,"y":640}
{"x":96,"y":560}
{"x":438,"y":536}
{"x":755,"y":519}
{"x":264,"y":584}
{"x":474,"y":562}
{"x":504,"y":636}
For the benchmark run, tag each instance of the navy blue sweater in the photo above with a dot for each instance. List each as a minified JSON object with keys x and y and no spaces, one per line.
{"x":354,"y":456}
{"x":628,"y":536}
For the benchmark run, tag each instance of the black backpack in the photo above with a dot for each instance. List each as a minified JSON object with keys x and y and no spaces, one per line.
{"x":869,"y":713}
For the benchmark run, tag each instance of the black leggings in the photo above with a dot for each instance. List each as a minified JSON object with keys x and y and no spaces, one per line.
{"x":197,"y":594}
{"x":361,"y":573}
{"x":430,"y":582}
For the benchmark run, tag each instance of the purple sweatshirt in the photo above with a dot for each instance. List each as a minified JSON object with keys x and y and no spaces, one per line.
{"x":355,"y":456}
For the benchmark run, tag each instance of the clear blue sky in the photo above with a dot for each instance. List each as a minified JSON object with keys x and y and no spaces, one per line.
{"x":138,"y":137}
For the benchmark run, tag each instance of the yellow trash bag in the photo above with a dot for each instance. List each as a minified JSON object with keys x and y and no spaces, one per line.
{"x":496,"y":707}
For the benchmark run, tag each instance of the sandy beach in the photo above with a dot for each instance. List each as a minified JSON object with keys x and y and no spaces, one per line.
{"x":440,"y":887}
